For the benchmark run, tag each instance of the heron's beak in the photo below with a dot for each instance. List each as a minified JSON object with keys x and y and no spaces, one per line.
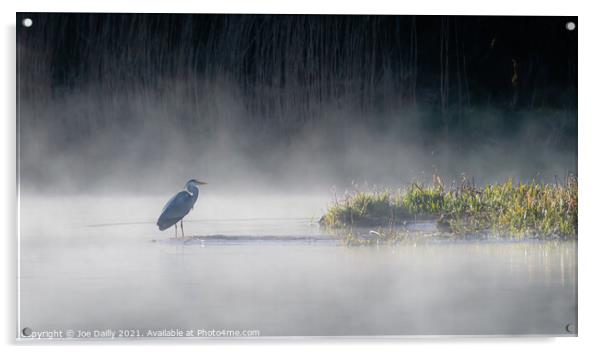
{"x":201,"y":182}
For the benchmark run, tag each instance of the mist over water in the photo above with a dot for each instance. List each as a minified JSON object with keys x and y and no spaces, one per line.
{"x":114,"y":102}
{"x":280,"y":114}
{"x":91,"y":269}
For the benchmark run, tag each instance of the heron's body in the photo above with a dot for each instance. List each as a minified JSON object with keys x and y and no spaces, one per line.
{"x":179,"y":206}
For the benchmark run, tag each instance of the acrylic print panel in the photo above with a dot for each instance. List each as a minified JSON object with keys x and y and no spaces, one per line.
{"x":187,"y":175}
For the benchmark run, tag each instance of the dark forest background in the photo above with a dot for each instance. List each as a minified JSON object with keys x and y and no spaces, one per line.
{"x":329,"y":98}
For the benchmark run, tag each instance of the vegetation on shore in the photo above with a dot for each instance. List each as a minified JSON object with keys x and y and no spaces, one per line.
{"x":535,"y":209}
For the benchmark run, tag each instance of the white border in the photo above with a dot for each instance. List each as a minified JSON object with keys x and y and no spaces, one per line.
{"x":589,"y":168}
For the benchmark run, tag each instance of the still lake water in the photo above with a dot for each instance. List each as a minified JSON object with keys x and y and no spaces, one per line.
{"x":100,"y":263}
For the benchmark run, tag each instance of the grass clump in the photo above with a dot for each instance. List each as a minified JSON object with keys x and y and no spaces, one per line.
{"x":532,"y":209}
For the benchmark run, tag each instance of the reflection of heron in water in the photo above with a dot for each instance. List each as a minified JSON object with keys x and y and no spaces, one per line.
{"x":179,"y":206}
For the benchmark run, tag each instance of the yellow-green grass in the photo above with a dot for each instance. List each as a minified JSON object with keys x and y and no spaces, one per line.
{"x":510,"y":209}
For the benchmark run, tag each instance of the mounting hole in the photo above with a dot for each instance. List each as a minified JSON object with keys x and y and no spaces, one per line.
{"x":26,"y":331}
{"x":27,"y":22}
{"x":570,"y":26}
{"x":570,"y":328}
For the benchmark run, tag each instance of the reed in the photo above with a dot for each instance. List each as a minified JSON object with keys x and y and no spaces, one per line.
{"x":535,"y":209}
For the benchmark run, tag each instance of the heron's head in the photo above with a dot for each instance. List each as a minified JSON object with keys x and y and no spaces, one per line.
{"x":195,"y":182}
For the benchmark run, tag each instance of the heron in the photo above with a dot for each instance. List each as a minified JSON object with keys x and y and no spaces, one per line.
{"x":179,"y":206}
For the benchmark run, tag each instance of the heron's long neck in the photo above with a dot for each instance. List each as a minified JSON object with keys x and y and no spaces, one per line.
{"x":194,"y":191}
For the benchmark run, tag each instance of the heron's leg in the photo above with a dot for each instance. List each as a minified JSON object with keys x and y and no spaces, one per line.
{"x":182,"y":227}
{"x":176,"y":230}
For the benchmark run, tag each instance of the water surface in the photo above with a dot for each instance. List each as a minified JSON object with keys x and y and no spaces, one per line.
{"x":100,"y":263}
